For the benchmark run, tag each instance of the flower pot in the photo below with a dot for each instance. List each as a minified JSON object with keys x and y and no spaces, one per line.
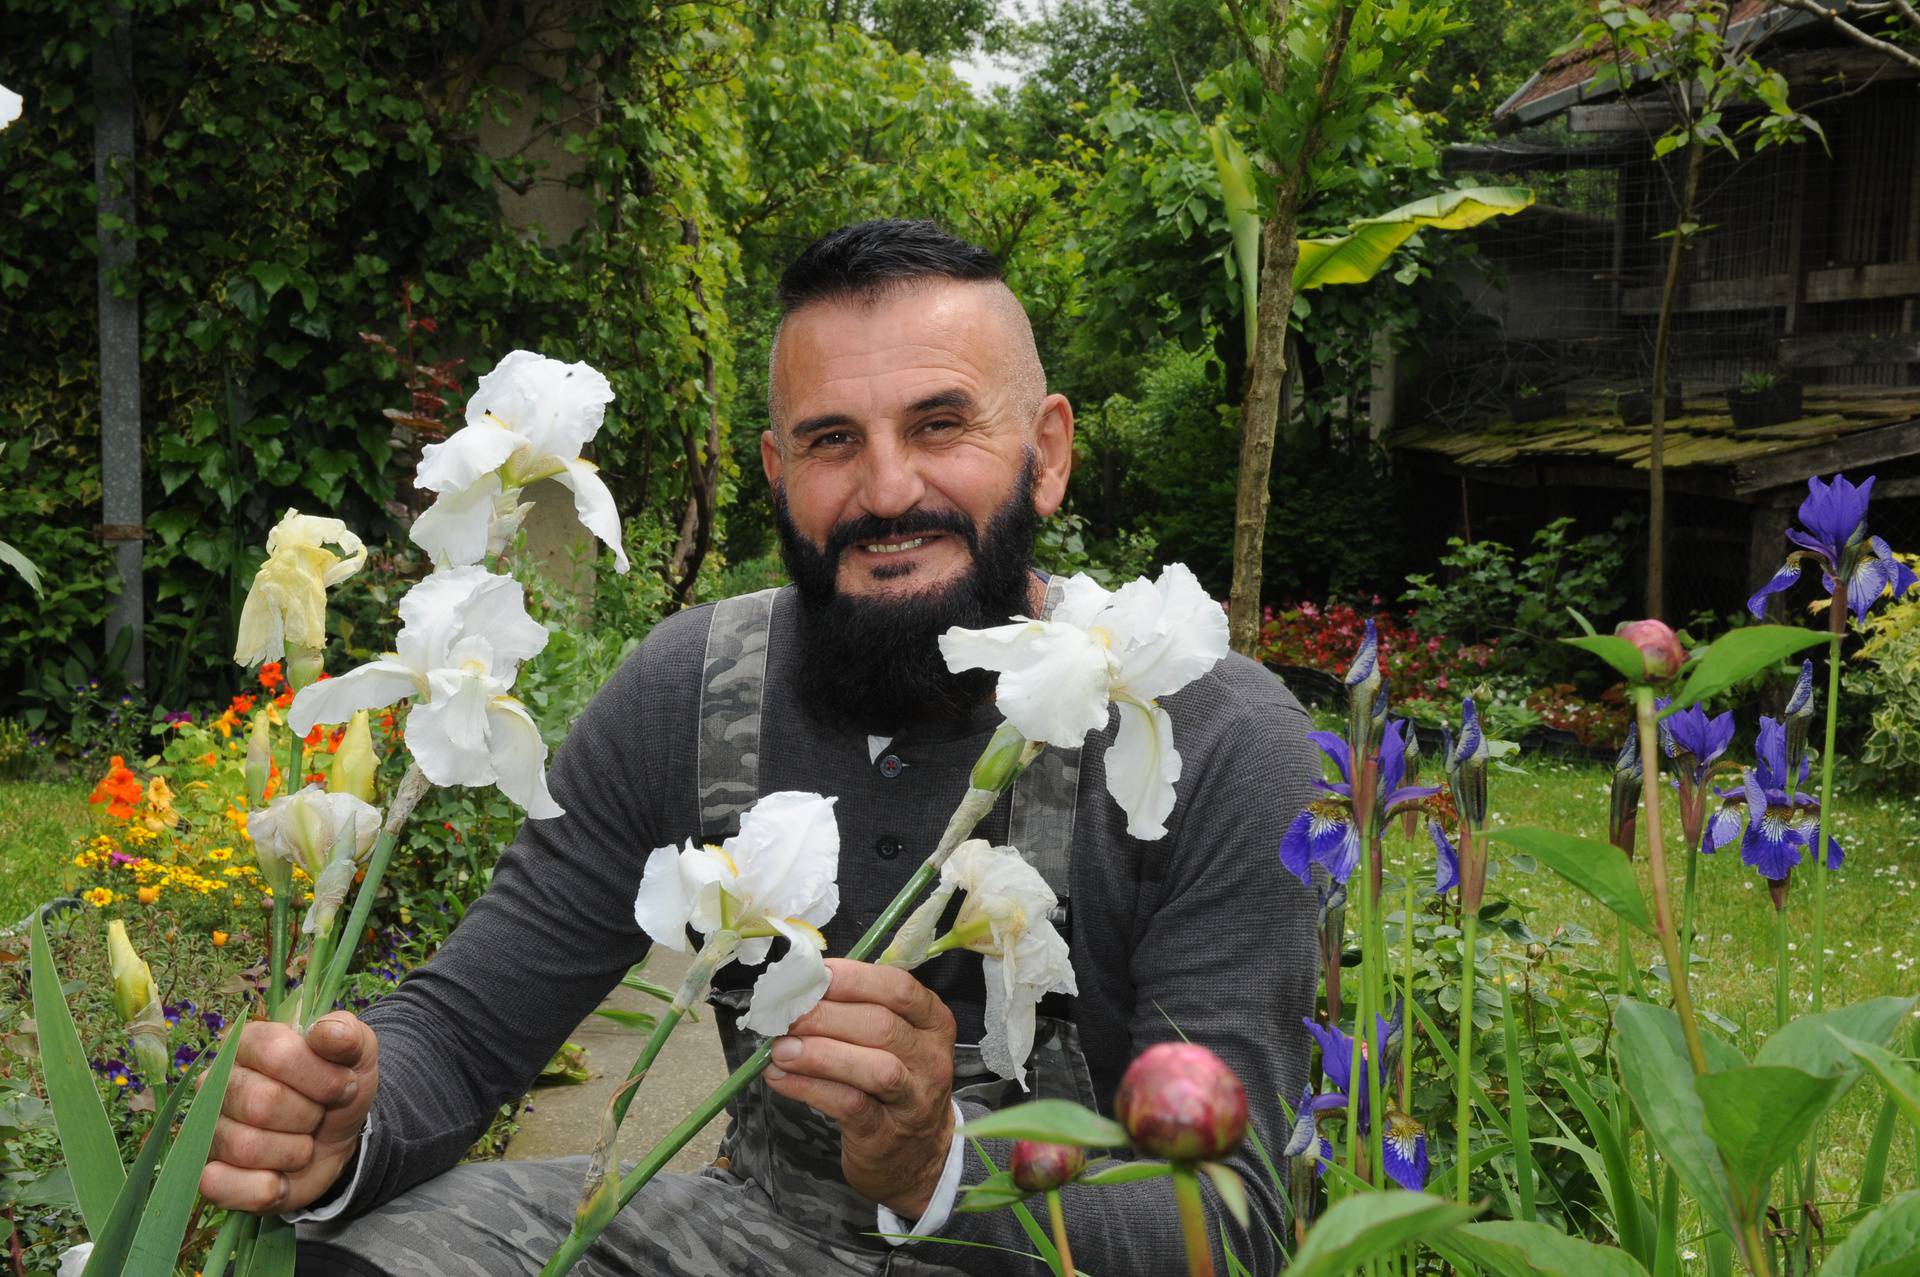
{"x":1776,"y":405}
{"x":1538,"y":407}
{"x":1636,"y":409}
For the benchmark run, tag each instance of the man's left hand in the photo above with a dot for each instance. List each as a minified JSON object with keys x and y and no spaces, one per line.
{"x":876,"y":1055}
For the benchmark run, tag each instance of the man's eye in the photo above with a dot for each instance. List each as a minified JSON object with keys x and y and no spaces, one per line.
{"x":832,"y":439}
{"x":945,"y":423}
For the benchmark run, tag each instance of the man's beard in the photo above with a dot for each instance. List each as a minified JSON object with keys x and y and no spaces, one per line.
{"x":874,"y":664}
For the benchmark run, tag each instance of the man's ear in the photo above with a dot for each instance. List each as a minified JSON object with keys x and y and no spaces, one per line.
{"x":1052,"y":454}
{"x":770,"y":459}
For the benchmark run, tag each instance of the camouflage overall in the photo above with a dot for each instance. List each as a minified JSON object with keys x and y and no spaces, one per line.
{"x":774,"y":1202}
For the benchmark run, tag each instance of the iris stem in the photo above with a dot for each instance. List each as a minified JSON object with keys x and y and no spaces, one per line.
{"x":1193,"y":1220}
{"x":1463,"y":1072}
{"x":224,"y":1241}
{"x":1780,"y":1012}
{"x":1826,"y":799}
{"x":1063,"y":1264}
{"x":1686,"y":906}
{"x":1644,"y":712}
{"x":406,"y":796}
{"x":1406,"y":1042}
{"x":972,"y":808}
{"x":277,"y":946}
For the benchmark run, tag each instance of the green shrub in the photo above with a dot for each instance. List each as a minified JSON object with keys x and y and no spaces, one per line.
{"x":1889,"y":681}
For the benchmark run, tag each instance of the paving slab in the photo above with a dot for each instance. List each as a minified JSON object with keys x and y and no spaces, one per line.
{"x":560,"y":1121}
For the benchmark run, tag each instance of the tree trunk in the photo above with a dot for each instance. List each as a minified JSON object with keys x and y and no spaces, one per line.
{"x":1260,"y":410}
{"x":1662,"y":338}
{"x":703,"y":472}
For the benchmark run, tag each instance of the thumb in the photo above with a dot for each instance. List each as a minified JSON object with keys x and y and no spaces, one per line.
{"x":340,"y":1038}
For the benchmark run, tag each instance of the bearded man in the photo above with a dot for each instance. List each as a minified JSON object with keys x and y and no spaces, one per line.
{"x":913,"y":449}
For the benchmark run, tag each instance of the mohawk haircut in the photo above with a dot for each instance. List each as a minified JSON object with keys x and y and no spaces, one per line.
{"x":868,"y":259}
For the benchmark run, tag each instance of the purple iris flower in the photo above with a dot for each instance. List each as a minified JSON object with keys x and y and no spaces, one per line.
{"x":1403,"y":1151}
{"x":1693,"y":740}
{"x":1770,"y":762}
{"x":1623,"y":799}
{"x":1336,"y":1064}
{"x":1798,"y":820}
{"x":1403,"y":1141}
{"x":1772,"y":843}
{"x":1305,"y":1140}
{"x":1833,"y":533}
{"x":1325,"y":832}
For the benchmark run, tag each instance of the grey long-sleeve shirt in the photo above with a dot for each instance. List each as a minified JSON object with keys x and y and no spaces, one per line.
{"x":1202,"y":929}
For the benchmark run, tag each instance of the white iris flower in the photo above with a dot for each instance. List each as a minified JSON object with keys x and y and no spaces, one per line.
{"x":10,"y":107}
{"x":776,"y":877}
{"x":1004,"y":918}
{"x":463,"y":634}
{"x":1126,"y":649}
{"x":286,"y":607}
{"x":527,"y":421}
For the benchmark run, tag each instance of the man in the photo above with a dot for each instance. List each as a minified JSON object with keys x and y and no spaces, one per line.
{"x":913,"y":449}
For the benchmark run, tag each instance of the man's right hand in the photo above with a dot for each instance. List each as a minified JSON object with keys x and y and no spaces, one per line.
{"x":293,"y":1112}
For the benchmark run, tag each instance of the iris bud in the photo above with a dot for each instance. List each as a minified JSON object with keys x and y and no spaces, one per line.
{"x":259,"y":761}
{"x":1660,"y":652}
{"x":1002,"y":761}
{"x":1181,"y":1102}
{"x":354,"y":763}
{"x":133,"y":986}
{"x":304,"y":665}
{"x":1038,"y":1168}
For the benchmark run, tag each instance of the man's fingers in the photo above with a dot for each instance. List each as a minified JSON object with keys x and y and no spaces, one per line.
{"x":835,"y":1101}
{"x":238,"y":1188}
{"x":890,"y":987}
{"x":342,"y":1039}
{"x":280,"y":1052}
{"x":873,"y":1072}
{"x":254,"y":1099}
{"x":251,"y":1148}
{"x":862,"y":1023}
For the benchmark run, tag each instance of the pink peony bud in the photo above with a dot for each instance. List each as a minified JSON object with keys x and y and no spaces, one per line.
{"x":1181,"y":1102}
{"x":1038,"y":1167}
{"x":1660,"y":649}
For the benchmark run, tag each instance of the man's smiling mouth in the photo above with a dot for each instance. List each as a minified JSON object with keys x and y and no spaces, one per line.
{"x":896,"y":547}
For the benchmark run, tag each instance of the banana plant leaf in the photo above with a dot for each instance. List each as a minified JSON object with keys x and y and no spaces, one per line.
{"x":1243,"y":219}
{"x":1359,"y":255}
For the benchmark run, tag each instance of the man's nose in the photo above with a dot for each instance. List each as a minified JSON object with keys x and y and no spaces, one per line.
{"x":891,"y":484}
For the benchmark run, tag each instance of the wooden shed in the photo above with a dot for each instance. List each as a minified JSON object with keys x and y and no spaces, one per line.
{"x":1808,"y":273}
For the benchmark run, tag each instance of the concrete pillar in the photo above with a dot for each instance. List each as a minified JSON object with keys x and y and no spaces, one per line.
{"x":121,"y":515}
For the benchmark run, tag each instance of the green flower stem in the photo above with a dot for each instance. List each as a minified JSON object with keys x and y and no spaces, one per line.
{"x":1780,"y":1013}
{"x":1826,"y":798}
{"x":1362,"y":1007}
{"x":1463,"y":1071}
{"x":1686,"y":906}
{"x":407,"y":794}
{"x":1657,"y":864}
{"x":277,"y":951}
{"x":1406,"y":1046}
{"x":1193,"y":1220}
{"x":713,"y":955}
{"x":973,"y":806}
{"x":1063,"y":1263}
{"x":225,"y":1240}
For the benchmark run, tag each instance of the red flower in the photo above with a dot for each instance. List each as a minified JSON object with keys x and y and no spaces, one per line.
{"x":271,"y":676}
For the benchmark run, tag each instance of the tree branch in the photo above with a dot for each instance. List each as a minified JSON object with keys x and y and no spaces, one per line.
{"x":1847,"y":30}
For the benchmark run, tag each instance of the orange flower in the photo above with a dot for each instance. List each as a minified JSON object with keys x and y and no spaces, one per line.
{"x":209,"y":758}
{"x":270,"y":675}
{"x":148,"y":895}
{"x":120,"y":789}
{"x":241,"y":705}
{"x":220,"y":939}
{"x":283,"y":700}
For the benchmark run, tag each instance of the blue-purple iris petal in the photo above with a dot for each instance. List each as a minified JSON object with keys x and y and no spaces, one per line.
{"x":1334,"y":746}
{"x":1406,"y":794}
{"x":1771,"y":844}
{"x":1904,"y":578}
{"x":1403,"y":1152}
{"x":1834,"y":511}
{"x":1336,"y":1054}
{"x":1723,"y":826}
{"x":1446,"y":870}
{"x":1809,"y":827}
{"x":1691,"y":732}
{"x":1305,"y":1130}
{"x":1295,"y":852}
{"x":1473,"y":741}
{"x":1393,"y":756}
{"x":1783,"y":579}
{"x":1770,"y":759}
{"x":1871,"y":577}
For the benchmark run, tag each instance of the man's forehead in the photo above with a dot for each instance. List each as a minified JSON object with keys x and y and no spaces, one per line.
{"x":897,"y":343}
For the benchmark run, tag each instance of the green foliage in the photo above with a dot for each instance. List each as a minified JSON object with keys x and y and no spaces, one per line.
{"x":1490,"y":591}
{"x":1888,"y":679}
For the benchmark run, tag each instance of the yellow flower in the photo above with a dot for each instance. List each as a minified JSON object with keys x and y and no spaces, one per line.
{"x":220,"y":853}
{"x":83,"y":861}
{"x":149,"y":894}
{"x":286,"y":609}
{"x":99,"y":897}
{"x":232,"y":871}
{"x":219,"y":939}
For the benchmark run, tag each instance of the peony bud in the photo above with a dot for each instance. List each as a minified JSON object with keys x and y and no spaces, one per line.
{"x":1660,"y":652}
{"x":1039,"y":1168}
{"x":354,"y":763}
{"x":259,"y":761}
{"x":1181,"y":1102}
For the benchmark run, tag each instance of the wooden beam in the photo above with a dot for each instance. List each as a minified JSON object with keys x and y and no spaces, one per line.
{"x":1846,"y":350}
{"x":1861,"y":448}
{"x":1854,"y":66}
{"x":1765,"y":292}
{"x":1650,"y":114}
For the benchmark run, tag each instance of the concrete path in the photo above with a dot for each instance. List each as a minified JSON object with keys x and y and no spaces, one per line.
{"x":563,"y":1120}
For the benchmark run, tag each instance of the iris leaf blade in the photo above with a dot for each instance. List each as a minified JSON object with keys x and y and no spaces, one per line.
{"x":86,"y":1137}
{"x":157,"y":1245}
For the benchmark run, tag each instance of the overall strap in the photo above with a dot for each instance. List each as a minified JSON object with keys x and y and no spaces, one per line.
{"x":733,"y":680}
{"x":1040,"y":818}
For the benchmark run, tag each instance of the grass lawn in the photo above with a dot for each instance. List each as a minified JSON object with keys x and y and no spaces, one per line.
{"x":39,"y":821}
